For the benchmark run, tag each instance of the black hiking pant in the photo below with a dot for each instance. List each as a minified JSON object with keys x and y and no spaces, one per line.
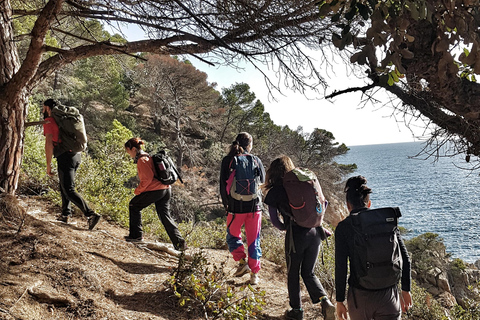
{"x":161,"y":198}
{"x":301,"y":249}
{"x":68,"y":163}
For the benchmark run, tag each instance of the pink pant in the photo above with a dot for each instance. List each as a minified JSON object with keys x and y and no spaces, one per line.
{"x":253,"y":224}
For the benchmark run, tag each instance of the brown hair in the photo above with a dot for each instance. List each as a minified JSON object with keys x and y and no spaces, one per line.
{"x":357,"y":192}
{"x":50,"y":103}
{"x":239,"y":146}
{"x":134,"y":142}
{"x":276,"y":171}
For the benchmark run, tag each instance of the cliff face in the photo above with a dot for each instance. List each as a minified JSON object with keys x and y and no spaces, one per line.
{"x":449,"y":281}
{"x":336,"y":211}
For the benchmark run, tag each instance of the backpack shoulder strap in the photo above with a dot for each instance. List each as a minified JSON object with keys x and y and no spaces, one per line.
{"x":233,"y":163}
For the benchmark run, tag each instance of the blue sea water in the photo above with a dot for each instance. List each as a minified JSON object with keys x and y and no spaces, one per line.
{"x":433,"y":196}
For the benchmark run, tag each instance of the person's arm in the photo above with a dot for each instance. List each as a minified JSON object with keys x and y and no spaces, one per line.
{"x":406,"y":299}
{"x":49,"y":152}
{"x":224,"y":175}
{"x":262,"y":170}
{"x":145,"y":174}
{"x":273,"y":212}
{"x":341,"y":260}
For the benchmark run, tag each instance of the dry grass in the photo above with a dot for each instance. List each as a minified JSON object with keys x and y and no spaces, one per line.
{"x":50,"y":270}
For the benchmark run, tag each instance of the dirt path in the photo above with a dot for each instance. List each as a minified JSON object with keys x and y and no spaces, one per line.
{"x":53,"y":270}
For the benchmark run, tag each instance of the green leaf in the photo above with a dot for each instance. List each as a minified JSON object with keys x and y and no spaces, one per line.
{"x":390,"y":80}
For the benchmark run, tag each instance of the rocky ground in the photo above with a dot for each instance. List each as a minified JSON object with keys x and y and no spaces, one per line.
{"x":51,"y":270}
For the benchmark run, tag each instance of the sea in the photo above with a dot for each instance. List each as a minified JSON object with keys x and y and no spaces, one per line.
{"x":434,"y":195}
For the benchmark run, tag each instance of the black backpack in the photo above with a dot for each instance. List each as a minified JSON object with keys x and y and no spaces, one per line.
{"x":165,"y":170}
{"x":377,"y":260}
{"x":71,"y":128}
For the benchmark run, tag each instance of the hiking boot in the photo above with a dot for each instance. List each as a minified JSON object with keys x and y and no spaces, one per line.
{"x":62,"y":218}
{"x":133,"y":240}
{"x":328,"y":309}
{"x":254,"y":279}
{"x":180,"y":246}
{"x":242,"y":268}
{"x":93,"y":220}
{"x":294,"y":314}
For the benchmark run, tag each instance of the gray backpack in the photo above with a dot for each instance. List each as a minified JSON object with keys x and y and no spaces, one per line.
{"x":71,"y":127}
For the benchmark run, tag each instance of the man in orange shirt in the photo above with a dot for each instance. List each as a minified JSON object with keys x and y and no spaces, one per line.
{"x":68,"y":163}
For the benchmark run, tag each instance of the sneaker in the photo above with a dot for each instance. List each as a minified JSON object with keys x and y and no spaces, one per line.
{"x":254,"y":278}
{"x":242,"y":268}
{"x":130,"y":239}
{"x":93,"y":220}
{"x":294,"y":314}
{"x":62,"y":218}
{"x":328,"y":309}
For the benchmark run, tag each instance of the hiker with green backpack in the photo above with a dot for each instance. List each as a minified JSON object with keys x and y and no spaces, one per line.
{"x":241,"y":175}
{"x":65,"y":139}
{"x":296,"y":195}
{"x":370,"y":241}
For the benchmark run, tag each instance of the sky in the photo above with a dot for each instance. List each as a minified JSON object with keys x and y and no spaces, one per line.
{"x":349,"y":121}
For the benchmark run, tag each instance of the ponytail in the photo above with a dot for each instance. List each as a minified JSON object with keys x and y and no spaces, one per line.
{"x":134,"y":142}
{"x":357,"y":192}
{"x":241,"y":144}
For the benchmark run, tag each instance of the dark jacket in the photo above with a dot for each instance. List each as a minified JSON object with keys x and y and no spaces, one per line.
{"x":236,"y":206}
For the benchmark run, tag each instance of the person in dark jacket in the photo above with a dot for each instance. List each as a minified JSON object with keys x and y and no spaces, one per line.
{"x":240,"y":213}
{"x":150,"y":190}
{"x":384,"y":304}
{"x":68,"y":163}
{"x":302,"y":245}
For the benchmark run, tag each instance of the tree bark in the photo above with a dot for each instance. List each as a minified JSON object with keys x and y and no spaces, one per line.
{"x":14,"y":78}
{"x":12,"y":107}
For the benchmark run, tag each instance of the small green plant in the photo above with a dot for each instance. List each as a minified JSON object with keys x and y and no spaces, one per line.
{"x":202,"y":287}
{"x":470,"y":312}
{"x":424,"y":306}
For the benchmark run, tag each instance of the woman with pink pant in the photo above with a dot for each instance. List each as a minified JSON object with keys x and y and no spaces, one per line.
{"x":241,"y":175}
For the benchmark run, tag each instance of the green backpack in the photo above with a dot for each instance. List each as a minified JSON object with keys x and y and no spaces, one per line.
{"x":71,"y":127}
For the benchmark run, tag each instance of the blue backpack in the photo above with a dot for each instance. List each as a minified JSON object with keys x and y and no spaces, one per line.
{"x":243,"y":182}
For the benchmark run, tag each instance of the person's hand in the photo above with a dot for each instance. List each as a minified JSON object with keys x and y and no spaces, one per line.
{"x":341,"y":311}
{"x":406,"y":301}
{"x":49,"y":170}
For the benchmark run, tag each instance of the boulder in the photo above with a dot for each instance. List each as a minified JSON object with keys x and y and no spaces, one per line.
{"x":447,"y":300}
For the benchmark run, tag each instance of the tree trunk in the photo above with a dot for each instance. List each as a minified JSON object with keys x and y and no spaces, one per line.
{"x":178,"y":138}
{"x":12,"y":106}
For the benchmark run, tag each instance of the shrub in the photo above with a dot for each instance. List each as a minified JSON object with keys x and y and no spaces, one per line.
{"x":470,"y":312}
{"x":325,"y":268}
{"x":427,"y":251}
{"x":424,"y":306}
{"x":203,"y":288}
